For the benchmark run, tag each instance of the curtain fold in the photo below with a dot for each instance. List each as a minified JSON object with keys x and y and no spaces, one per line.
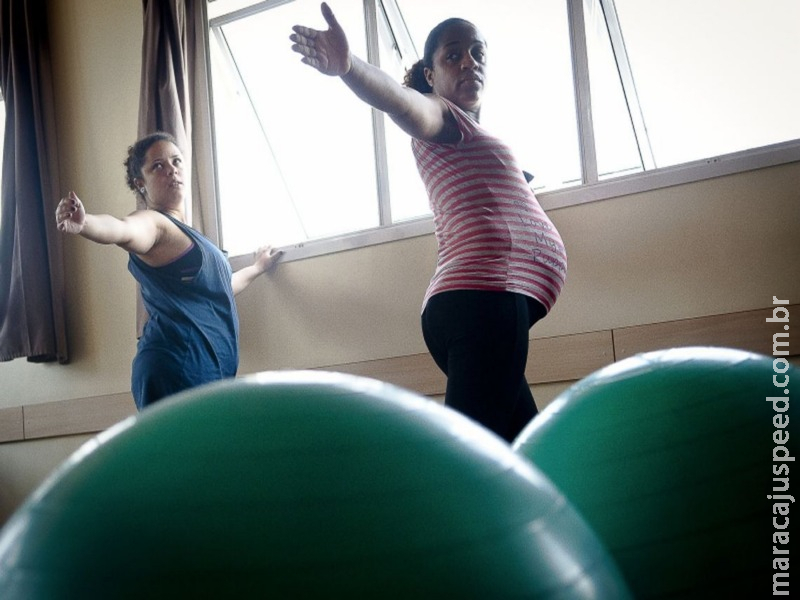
{"x":32,"y":321}
{"x":175,"y":97}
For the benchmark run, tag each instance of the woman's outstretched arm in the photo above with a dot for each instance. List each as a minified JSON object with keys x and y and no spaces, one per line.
{"x":137,"y":232}
{"x":421,"y":116}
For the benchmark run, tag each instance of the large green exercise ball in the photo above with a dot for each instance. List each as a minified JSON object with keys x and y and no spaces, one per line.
{"x":300,"y":484}
{"x":670,"y":456}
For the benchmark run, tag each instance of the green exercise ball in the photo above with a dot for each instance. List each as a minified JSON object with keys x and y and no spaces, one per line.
{"x":300,"y":484}
{"x":670,"y":456}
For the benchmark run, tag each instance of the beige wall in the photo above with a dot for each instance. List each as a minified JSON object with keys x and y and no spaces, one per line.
{"x":716,"y":246}
{"x":711,"y":247}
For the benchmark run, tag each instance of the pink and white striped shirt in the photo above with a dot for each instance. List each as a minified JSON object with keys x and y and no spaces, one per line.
{"x":491,"y":231}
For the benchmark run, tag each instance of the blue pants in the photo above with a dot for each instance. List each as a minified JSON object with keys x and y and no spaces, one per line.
{"x":155,"y":375}
{"x":479,"y":339}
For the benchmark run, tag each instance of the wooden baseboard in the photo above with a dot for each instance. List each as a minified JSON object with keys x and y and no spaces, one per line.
{"x":64,"y":417}
{"x":12,"y":426}
{"x":747,"y":330}
{"x":561,"y":358}
{"x":552,"y":359}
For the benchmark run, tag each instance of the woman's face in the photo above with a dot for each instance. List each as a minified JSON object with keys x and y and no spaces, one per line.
{"x":162,"y":176}
{"x":459,"y":67}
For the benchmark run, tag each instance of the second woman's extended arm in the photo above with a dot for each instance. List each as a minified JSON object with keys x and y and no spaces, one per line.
{"x":421,"y":116}
{"x":146,"y":233}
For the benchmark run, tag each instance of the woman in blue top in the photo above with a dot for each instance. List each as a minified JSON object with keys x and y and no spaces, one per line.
{"x":192,"y":333}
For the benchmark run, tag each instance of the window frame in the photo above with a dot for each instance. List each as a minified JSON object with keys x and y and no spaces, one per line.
{"x":591,"y":189}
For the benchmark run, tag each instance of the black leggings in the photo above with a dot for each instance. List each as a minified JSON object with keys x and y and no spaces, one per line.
{"x":479,"y":339}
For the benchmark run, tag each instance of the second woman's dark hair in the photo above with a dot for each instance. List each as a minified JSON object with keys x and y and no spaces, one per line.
{"x":415,"y":76}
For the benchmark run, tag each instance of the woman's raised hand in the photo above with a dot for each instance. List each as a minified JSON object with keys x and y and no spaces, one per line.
{"x":70,"y":214}
{"x":327,"y":51}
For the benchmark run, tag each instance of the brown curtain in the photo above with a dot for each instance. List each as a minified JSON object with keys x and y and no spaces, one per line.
{"x":31,"y":261}
{"x":175,"y":97}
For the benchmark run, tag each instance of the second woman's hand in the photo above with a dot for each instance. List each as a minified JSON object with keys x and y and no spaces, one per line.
{"x":265,"y":258}
{"x":70,"y":214}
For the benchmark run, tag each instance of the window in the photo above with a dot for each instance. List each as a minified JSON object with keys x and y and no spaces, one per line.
{"x":701,"y":79}
{"x":294,"y":150}
{"x":597,"y":97}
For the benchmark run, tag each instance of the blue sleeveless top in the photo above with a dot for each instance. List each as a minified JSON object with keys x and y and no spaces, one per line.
{"x":192,"y":334}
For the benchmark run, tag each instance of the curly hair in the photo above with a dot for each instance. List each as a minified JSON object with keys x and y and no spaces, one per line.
{"x":136,"y":155}
{"x":415,"y":76}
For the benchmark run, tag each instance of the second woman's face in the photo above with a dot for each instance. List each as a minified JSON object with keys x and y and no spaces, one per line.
{"x":459,"y":67}
{"x":163,"y":175}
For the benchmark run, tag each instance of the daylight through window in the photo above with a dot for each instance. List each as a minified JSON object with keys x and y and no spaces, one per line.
{"x":597,"y":97}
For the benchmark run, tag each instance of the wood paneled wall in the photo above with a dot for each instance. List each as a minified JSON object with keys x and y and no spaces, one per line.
{"x":552,"y":359}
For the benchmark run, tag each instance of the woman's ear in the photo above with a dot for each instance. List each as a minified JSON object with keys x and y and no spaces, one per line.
{"x":428,"y":75}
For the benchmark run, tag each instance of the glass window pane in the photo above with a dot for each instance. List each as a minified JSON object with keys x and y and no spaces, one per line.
{"x":714,"y":76}
{"x":615,"y":143}
{"x":406,"y":190}
{"x":529,"y":99}
{"x":294,"y":148}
